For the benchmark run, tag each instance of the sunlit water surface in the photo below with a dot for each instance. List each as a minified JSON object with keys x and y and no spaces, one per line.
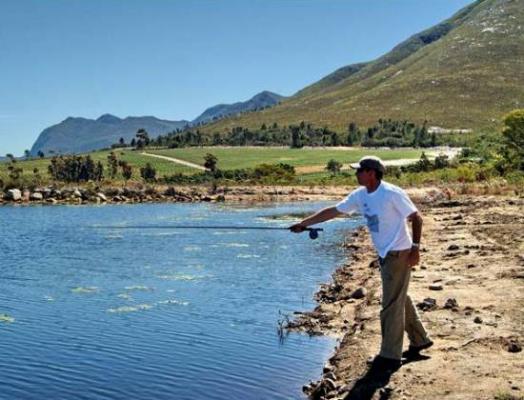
{"x":95,"y":313}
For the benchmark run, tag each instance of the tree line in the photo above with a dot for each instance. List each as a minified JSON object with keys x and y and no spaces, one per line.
{"x":386,"y":132}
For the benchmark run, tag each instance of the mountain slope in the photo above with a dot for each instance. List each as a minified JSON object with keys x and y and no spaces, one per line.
{"x":465,"y":72}
{"x":76,"y":135}
{"x":257,"y":102}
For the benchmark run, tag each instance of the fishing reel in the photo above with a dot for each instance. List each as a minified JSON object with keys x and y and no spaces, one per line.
{"x":313,"y":233}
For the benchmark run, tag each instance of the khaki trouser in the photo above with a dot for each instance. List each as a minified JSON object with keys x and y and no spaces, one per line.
{"x":398,"y":312}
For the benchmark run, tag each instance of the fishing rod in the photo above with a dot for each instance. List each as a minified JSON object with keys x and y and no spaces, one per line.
{"x":313,"y":232}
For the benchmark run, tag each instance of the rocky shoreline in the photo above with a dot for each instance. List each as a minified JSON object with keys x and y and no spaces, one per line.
{"x":139,"y":193}
{"x":175,"y":194}
{"x":469,"y":289}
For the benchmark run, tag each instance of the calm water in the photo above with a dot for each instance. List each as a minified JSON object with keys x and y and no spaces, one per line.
{"x":157,"y":314}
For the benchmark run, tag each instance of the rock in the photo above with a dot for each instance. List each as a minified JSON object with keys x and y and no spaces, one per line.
{"x":471,"y":266}
{"x":436,"y":287}
{"x":101,"y":196}
{"x":359,"y":293}
{"x":453,"y":247}
{"x":220,"y":198}
{"x":26,"y":194}
{"x":77,"y":194}
{"x":331,"y":376}
{"x":451,"y":303}
{"x":328,"y":368}
{"x":427,"y":304}
{"x":52,"y":200}
{"x":36,"y":196}
{"x":514,"y":347}
{"x":329,"y":384}
{"x":477,"y":320}
{"x":13,"y":195}
{"x":46,"y":192}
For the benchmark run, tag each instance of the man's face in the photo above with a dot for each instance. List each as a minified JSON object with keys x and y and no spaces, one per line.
{"x":364,"y":176}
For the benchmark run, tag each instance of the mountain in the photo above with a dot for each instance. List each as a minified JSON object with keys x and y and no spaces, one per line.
{"x":465,"y":72}
{"x":77,"y":135}
{"x":260,"y":101}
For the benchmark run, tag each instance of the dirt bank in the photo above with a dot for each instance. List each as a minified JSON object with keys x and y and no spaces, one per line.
{"x":469,"y":289}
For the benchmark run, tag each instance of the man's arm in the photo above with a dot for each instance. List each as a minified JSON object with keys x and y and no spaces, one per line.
{"x":416,"y":226}
{"x":323,"y":215}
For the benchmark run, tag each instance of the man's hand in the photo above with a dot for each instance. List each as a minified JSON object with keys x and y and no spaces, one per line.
{"x":297,"y":228}
{"x":414,"y":256}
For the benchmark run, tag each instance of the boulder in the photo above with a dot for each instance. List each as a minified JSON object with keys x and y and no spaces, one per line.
{"x":26,"y":194}
{"x":13,"y":195}
{"x":36,"y":196}
{"x":45,"y":191}
{"x":101,"y":196}
{"x":77,"y":194}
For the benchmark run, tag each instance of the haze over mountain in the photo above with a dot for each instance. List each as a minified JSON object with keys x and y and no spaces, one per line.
{"x":465,"y":72}
{"x":76,"y":135}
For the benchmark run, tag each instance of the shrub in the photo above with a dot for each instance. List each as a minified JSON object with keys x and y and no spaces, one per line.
{"x":148,"y":173}
{"x":334,"y":166}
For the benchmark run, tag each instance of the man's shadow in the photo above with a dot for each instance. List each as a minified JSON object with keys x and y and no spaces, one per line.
{"x":377,"y":378}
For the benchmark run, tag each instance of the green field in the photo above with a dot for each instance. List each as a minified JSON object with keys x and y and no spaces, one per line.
{"x":135,"y":159}
{"x":248,"y":157}
{"x":228,"y":158}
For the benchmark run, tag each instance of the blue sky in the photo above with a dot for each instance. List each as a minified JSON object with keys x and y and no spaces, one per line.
{"x":173,"y":58}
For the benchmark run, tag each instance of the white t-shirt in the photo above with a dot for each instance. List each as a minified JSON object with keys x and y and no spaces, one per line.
{"x":385,"y":210}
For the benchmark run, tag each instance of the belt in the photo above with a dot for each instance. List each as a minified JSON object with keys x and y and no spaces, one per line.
{"x":393,"y":253}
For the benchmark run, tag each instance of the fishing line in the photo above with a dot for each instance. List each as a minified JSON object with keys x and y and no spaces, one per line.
{"x":313,"y":232}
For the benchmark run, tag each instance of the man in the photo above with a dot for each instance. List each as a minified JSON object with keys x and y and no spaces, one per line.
{"x":387,"y":208}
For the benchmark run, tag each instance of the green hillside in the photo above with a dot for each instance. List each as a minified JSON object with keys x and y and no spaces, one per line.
{"x":465,"y":72}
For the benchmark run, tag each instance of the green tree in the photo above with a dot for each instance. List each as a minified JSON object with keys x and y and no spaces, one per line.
{"x":334,"y":166}
{"x":210,"y":162}
{"x":295,"y":137}
{"x":424,"y":164}
{"x":127,"y":170}
{"x":148,"y":173}
{"x":513,"y":139}
{"x":217,"y":139}
{"x":112,"y":162}
{"x":142,"y":138}
{"x":40,"y":154}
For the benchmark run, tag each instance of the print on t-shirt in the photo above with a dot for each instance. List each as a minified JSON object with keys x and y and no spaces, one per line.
{"x":372,"y":222}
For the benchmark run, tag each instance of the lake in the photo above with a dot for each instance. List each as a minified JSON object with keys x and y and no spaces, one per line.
{"x":107,"y":313}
